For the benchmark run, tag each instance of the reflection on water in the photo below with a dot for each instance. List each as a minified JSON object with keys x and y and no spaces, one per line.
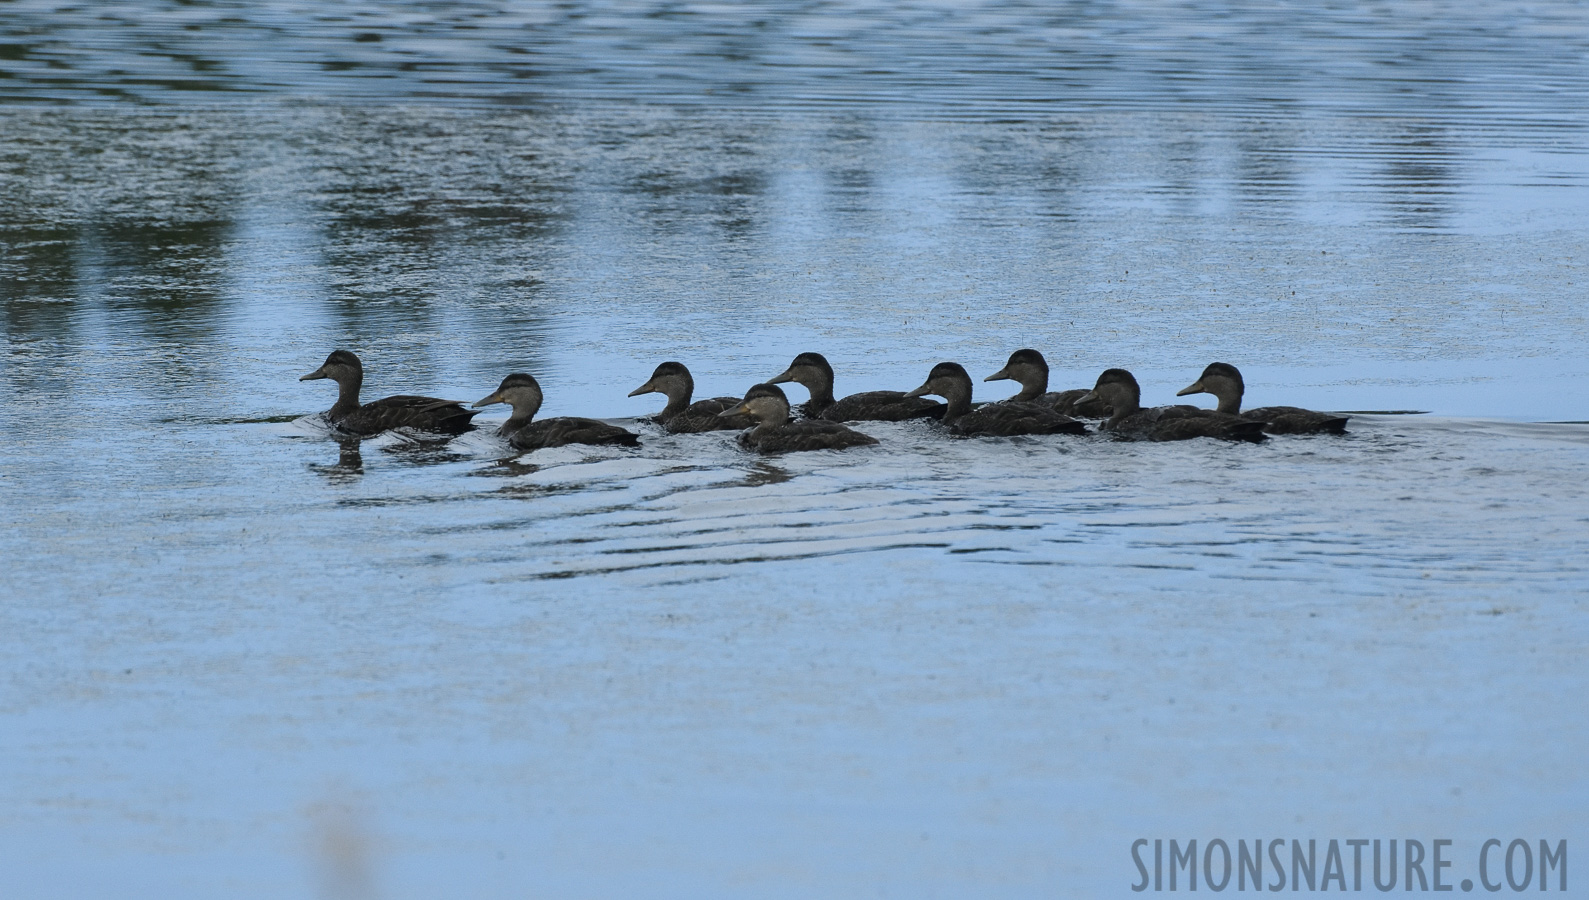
{"x":1444,"y":58}
{"x":349,"y":464}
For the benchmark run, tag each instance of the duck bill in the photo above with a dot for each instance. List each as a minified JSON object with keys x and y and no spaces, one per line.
{"x":1001,"y":375}
{"x":1088,"y":397}
{"x":922,"y":391}
{"x":1195,"y":387}
{"x":487,"y":401}
{"x":736,"y":409}
{"x":650,"y":387}
{"x":315,"y":375}
{"x":788,"y":375}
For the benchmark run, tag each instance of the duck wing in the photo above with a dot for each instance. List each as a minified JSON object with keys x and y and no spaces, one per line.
{"x":1012,"y":417}
{"x":407,"y":411}
{"x":803,"y":434}
{"x":564,"y":430}
{"x":702,"y":415}
{"x":882,"y":406}
{"x":1296,"y":420}
{"x":1064,"y":403}
{"x":1181,"y":423}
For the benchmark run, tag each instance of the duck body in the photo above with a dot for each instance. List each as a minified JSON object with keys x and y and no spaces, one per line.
{"x":1070,"y":403}
{"x":812,"y":371}
{"x":705,"y":415}
{"x":524,"y":432}
{"x":1224,"y":381}
{"x":775,"y":433}
{"x":680,"y":416}
{"x":563,"y":430}
{"x":1030,"y":369}
{"x":1011,"y":417}
{"x":1006,"y":418}
{"x":1296,"y":420}
{"x":401,"y":411}
{"x":1129,"y":421}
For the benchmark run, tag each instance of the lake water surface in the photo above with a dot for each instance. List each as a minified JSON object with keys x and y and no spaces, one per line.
{"x":248,"y":660}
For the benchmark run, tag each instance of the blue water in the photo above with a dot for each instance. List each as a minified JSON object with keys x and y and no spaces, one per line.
{"x":247,"y":659}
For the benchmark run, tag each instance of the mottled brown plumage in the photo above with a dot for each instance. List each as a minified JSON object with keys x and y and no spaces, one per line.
{"x":775,"y":433}
{"x":811,"y":370}
{"x":680,"y":416}
{"x":401,"y":411}
{"x":1224,"y":381}
{"x":1003,"y":419}
{"x":1129,"y":421}
{"x":1030,"y":369}
{"x":523,"y":393}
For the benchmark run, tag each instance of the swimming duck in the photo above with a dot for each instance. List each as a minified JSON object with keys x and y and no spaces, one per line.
{"x":1030,"y":369}
{"x":1009,"y":417}
{"x":1223,"y":380}
{"x":1119,"y":389}
{"x":402,"y":411}
{"x":523,"y":393}
{"x":775,"y":433}
{"x":813,"y":372}
{"x":681,"y":416}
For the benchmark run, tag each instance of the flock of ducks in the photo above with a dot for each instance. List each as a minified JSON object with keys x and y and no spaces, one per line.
{"x":767,"y":423}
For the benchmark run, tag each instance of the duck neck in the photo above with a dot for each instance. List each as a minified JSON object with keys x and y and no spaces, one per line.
{"x":780,"y":416}
{"x":525,"y":403}
{"x":678,"y":399}
{"x":958,"y":400}
{"x":1034,"y":383}
{"x":1124,"y":404}
{"x":821,"y":388}
{"x":1230,"y":402}
{"x":519,"y":419}
{"x":347,"y":395}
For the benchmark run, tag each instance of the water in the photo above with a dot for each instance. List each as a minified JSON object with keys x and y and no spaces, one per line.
{"x":245,"y":655}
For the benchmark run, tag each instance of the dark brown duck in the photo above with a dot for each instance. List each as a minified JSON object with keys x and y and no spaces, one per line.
{"x":1129,"y":421}
{"x":401,"y":411}
{"x":523,"y":393}
{"x":1030,"y":369}
{"x":811,"y":370}
{"x":681,"y":416}
{"x":1223,"y":380}
{"x":1004,"y":419}
{"x":775,"y":433}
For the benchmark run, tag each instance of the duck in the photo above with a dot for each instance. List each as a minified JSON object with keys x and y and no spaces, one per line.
{"x":1007,"y":418}
{"x":1129,"y":421}
{"x":1223,"y":380}
{"x":812,"y":371}
{"x":401,"y":411}
{"x":681,"y":416}
{"x":776,"y":433}
{"x":523,"y":393}
{"x":1030,"y":369}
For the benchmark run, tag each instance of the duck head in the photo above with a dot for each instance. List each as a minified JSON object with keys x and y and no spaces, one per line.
{"x":341,"y":366}
{"x":1027,"y":367}
{"x":670,"y":378}
{"x":765,"y":403}
{"x":950,"y":381}
{"x":1119,"y":390}
{"x":520,"y":391}
{"x":809,"y":370}
{"x":1223,"y":380}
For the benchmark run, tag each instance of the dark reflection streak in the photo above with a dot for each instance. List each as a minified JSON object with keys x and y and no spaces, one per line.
{"x":38,"y":277}
{"x":1267,"y":170}
{"x":1420,"y":180}
{"x":349,"y":465}
{"x":466,"y":198}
